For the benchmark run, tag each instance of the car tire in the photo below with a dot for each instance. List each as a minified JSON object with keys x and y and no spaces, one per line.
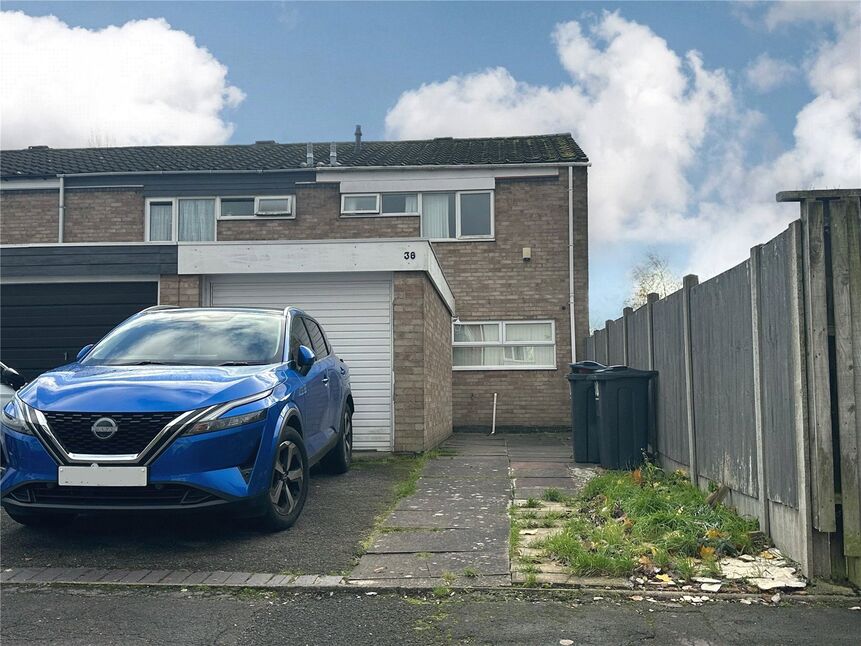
{"x":339,"y":457}
{"x":289,"y":482}
{"x":32,"y":518}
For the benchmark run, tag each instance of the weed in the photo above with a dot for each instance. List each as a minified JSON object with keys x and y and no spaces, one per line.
{"x":553,"y":495}
{"x":449,"y":577}
{"x":470,"y":572}
{"x":529,"y":515}
{"x":531,"y":581}
{"x":441,"y":592}
{"x":532,"y":503}
{"x":423,"y":555}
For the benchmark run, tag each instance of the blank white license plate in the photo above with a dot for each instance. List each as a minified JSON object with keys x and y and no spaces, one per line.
{"x":102,"y":476}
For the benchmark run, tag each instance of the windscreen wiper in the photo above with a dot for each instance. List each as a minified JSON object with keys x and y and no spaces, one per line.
{"x":234,"y":363}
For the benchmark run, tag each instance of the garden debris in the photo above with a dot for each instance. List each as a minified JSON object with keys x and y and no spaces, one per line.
{"x":710,"y":587}
{"x":766,"y":573}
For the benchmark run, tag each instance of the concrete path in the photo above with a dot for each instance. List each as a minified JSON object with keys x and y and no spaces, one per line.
{"x":454,"y":530}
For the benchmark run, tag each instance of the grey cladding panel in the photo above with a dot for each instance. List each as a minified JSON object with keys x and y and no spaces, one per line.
{"x":722,"y":341}
{"x":203,"y":184}
{"x":779,"y":400}
{"x":88,"y":260}
{"x":670,"y":382}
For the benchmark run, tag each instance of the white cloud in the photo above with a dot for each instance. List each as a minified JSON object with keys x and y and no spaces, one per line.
{"x":652,"y":119}
{"x":639,"y":110}
{"x":142,"y":83}
{"x":766,"y":73}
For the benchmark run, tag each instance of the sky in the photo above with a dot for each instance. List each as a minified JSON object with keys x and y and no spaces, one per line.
{"x":694,"y":114}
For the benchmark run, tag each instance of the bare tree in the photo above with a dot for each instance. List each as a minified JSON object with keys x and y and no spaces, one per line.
{"x":652,"y":274}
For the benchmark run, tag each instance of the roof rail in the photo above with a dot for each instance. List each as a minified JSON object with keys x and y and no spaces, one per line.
{"x":160,"y":307}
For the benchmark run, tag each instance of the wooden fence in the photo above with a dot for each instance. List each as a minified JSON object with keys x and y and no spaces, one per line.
{"x":759,"y":381}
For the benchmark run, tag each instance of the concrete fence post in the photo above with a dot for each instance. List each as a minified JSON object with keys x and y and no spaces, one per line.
{"x":759,"y":414}
{"x":688,"y":282}
{"x":626,"y":314}
{"x":651,"y":299}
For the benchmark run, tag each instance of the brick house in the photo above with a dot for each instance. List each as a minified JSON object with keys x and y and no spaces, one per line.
{"x":445,"y":271}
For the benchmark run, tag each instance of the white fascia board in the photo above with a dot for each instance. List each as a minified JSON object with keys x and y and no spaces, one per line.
{"x":437,"y":179}
{"x":325,"y":256}
{"x":30,"y":184}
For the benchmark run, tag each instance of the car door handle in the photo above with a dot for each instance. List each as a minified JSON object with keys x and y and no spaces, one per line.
{"x":343,"y":370}
{"x":326,"y":380}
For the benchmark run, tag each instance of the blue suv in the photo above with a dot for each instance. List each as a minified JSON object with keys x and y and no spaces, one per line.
{"x":180,"y":409}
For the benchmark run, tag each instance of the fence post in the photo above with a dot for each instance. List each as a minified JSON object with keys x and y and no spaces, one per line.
{"x":688,"y":282}
{"x":626,"y":313}
{"x":818,"y":378}
{"x":759,"y":413}
{"x":607,"y":339}
{"x":651,"y":299}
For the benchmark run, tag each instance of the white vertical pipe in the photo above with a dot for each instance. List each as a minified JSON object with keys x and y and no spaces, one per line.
{"x":493,"y":425}
{"x":571,"y":263}
{"x":61,"y":208}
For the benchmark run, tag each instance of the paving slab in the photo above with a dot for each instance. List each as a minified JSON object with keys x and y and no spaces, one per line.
{"x":476,"y":505}
{"x":176,"y":576}
{"x":443,"y":540}
{"x":484,"y":563}
{"x":391,"y":566}
{"x":548,"y":470}
{"x":547,"y":482}
{"x":446,"y":519}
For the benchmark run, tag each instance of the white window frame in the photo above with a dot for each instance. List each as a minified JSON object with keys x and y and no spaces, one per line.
{"x":462,"y":238}
{"x":174,"y":218}
{"x":375,"y":211}
{"x":503,"y":342}
{"x":256,"y":215}
{"x":418,"y":211}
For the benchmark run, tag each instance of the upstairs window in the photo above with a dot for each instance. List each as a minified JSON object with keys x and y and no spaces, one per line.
{"x":400,"y":204}
{"x":181,"y":220}
{"x":360,"y":204}
{"x":504,"y":345}
{"x":457,"y":216}
{"x":269,"y":206}
{"x":237,"y":207}
{"x":254,"y":207}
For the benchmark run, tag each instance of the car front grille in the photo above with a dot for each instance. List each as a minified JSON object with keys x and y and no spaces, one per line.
{"x":167,"y":495}
{"x":134,"y":431}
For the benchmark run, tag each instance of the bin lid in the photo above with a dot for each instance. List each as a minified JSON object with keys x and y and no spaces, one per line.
{"x":620,"y":372}
{"x":586,"y":367}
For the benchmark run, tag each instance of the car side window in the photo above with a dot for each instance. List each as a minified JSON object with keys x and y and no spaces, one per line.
{"x":298,"y":336}
{"x":317,"y":339}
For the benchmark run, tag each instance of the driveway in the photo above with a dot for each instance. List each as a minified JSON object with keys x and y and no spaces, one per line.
{"x":339,"y":514}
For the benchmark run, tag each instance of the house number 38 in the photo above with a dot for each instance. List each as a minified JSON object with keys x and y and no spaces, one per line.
{"x":409,"y":255}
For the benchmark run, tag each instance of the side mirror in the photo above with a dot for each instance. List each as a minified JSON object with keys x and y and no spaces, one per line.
{"x":10,"y":377}
{"x":84,"y":352}
{"x":305,"y":357}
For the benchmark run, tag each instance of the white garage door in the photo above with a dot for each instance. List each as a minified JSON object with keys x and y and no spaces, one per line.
{"x":356,"y":312}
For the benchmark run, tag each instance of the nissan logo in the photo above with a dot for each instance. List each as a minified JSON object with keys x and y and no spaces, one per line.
{"x":104,"y":428}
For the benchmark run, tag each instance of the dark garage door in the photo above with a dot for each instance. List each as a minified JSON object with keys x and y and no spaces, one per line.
{"x":44,"y":326}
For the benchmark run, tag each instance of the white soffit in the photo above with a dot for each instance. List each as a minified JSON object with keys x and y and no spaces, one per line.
{"x":29,"y":184}
{"x":336,"y":256}
{"x":393,"y":181}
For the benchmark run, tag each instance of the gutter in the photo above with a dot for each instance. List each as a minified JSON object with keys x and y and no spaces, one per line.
{"x":571,"y":263}
{"x":303,"y":170}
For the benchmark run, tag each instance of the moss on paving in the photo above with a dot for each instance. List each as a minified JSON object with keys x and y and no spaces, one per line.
{"x":625,"y":522}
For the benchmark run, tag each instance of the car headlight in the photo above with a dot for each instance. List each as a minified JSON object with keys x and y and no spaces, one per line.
{"x":13,"y":417}
{"x":226,"y":422}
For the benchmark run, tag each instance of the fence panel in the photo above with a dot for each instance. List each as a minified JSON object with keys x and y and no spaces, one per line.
{"x":616,"y":330}
{"x":778,"y":382}
{"x":722,"y":340}
{"x":638,"y":338}
{"x":590,"y":348}
{"x":600,"y":337}
{"x":671,"y":415}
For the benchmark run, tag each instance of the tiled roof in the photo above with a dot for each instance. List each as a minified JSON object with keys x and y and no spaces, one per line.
{"x":49,"y":162}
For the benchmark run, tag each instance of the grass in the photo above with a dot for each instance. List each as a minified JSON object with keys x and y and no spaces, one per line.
{"x":531,"y":503}
{"x":441,"y":592}
{"x":628,"y":522}
{"x":470,"y":572}
{"x":553,"y":495}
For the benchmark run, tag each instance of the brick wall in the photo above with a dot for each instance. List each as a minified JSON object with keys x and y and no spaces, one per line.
{"x":29,"y":217}
{"x":183,"y":291}
{"x":98,"y":215}
{"x":318,"y":209}
{"x":491,"y":281}
{"x":422,"y":364}
{"x":437,"y":368}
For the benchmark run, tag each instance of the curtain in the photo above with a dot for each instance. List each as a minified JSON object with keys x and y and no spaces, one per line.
{"x":411,"y":203}
{"x":160,"y":222}
{"x":473,"y":332}
{"x":435,"y":215}
{"x":535,"y":332}
{"x":196,"y":220}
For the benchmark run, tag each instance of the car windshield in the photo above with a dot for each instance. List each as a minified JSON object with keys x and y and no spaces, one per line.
{"x":193,"y":338}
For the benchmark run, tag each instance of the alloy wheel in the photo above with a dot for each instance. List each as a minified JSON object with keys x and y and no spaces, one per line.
{"x":288,"y":478}
{"x":348,"y":436}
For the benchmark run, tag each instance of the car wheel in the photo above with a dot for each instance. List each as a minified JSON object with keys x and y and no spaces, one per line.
{"x":33,"y":518}
{"x":338,"y":459}
{"x":288,"y":486}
